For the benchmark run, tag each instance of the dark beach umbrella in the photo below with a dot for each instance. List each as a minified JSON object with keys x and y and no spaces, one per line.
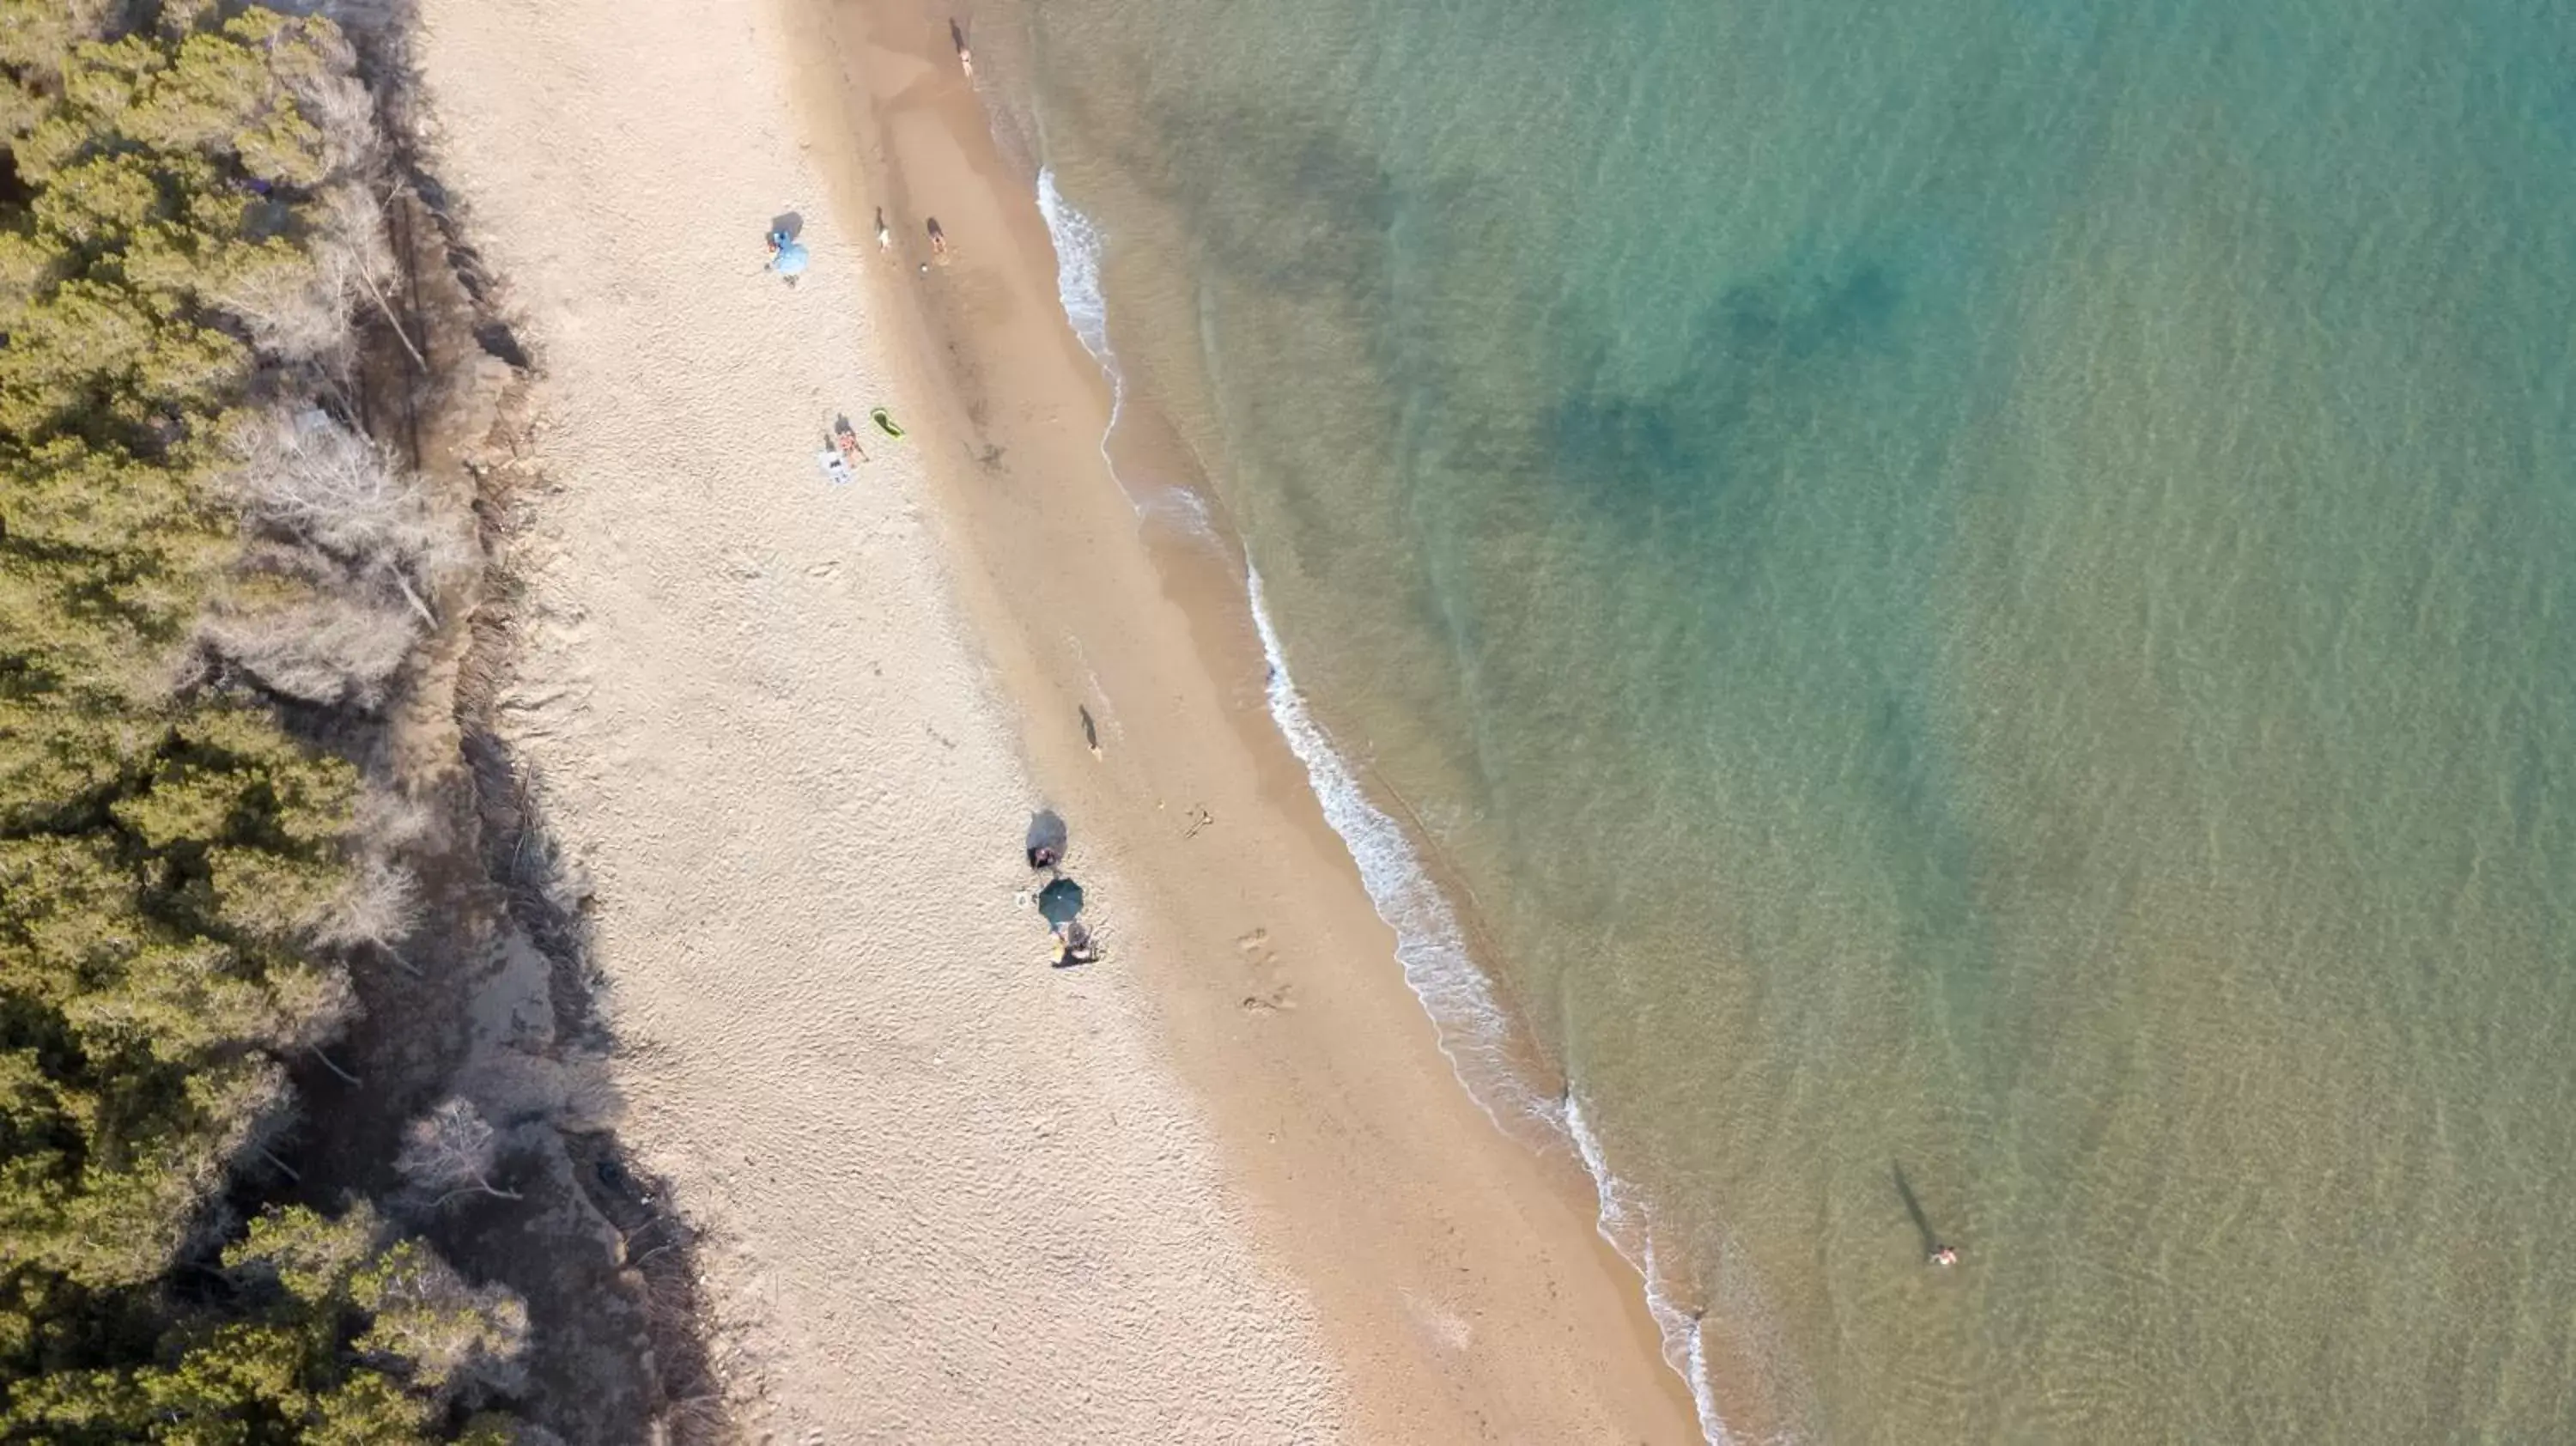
{"x":1060,"y":901}
{"x":1046,"y":831}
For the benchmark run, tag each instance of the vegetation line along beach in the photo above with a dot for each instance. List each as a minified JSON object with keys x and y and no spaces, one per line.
{"x":302,"y":1133}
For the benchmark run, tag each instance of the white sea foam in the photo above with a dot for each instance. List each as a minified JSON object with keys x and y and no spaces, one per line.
{"x":1429,"y":943}
{"x":1628,"y":1224}
{"x":1077,"y":270}
{"x":1186,"y":510}
{"x":1468,"y":1021}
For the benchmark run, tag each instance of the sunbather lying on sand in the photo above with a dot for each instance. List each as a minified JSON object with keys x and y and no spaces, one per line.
{"x":1073,"y":945}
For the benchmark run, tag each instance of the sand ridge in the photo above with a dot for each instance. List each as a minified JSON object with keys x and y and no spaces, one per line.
{"x":951,"y":1195}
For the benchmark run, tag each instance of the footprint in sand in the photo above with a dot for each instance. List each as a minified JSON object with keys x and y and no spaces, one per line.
{"x":1270,"y":994}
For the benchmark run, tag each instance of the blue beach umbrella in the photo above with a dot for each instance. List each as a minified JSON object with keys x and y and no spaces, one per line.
{"x":786,"y":254}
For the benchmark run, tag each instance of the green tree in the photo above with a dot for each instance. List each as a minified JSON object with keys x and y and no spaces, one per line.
{"x":195,"y":210}
{"x":339,"y":1337}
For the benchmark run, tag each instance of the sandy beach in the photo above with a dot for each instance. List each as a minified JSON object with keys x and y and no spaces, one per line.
{"x":1221,"y":1186}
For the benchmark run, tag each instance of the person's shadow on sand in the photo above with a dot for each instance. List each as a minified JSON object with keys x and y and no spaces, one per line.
{"x":1914,"y":1211}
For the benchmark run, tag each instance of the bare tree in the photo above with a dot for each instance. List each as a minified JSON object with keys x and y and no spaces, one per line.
{"x":451,"y":1149}
{"x":342,"y":108}
{"x":347,"y":552}
{"x":354,"y":250}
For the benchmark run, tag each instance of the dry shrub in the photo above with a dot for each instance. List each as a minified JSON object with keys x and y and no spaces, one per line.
{"x":327,"y":651}
{"x":308,"y":478}
{"x":348,"y":550}
{"x":380,"y":904}
{"x":358,"y":17}
{"x":515,"y":1085}
{"x":451,"y":1151}
{"x":591,"y":1099}
{"x":547,"y":1094}
{"x":390,"y":819}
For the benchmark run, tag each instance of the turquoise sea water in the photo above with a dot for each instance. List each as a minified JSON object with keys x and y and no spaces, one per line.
{"x":1977,"y":600}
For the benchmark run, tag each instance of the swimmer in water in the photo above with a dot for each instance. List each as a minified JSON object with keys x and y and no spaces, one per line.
{"x":1944,"y":1256}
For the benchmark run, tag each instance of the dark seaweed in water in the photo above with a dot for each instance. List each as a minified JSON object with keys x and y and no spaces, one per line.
{"x":1698,"y":455}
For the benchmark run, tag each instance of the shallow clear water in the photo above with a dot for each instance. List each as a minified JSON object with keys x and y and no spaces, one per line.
{"x":1979,"y":593}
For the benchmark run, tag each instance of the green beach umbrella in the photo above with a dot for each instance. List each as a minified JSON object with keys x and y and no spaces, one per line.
{"x":1058,"y":902}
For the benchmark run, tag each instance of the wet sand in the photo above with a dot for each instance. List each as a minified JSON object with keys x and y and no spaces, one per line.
{"x":1457,"y":1273}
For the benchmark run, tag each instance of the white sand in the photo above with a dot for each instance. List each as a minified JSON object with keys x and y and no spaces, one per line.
{"x":953,"y":1194}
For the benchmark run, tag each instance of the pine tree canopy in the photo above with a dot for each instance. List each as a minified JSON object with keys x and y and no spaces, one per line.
{"x":166,"y":850}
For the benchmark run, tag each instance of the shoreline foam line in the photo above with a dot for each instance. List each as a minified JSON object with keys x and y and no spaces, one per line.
{"x":1078,"y":246}
{"x":1628,"y":1224}
{"x":1430,"y":944}
{"x":1467,"y":1021}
